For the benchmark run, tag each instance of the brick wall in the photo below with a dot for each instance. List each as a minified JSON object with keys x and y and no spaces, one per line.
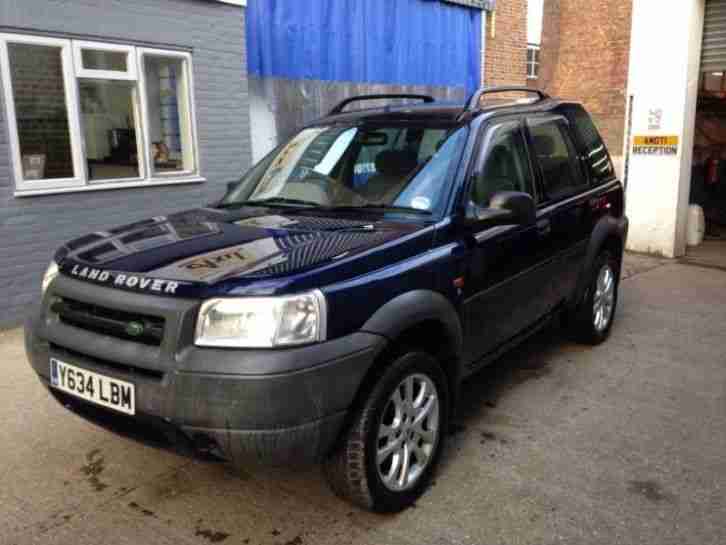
{"x":549,"y":46}
{"x":585,"y":50}
{"x":505,"y":53}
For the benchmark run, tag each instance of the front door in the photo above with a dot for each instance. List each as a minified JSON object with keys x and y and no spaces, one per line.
{"x":507,"y":276}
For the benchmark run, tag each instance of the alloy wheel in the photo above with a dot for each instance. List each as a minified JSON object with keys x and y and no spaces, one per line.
{"x":604,"y":299}
{"x":408,"y":432}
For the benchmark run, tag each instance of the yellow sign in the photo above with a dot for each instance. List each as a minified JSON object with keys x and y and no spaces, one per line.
{"x":655,"y":145}
{"x":655,"y":140}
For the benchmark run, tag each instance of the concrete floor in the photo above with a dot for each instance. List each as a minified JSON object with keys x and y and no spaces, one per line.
{"x":710,"y":253}
{"x":556,"y":443}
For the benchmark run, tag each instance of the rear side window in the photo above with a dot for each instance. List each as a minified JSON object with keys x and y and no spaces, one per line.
{"x":591,"y":144}
{"x":557,"y":158}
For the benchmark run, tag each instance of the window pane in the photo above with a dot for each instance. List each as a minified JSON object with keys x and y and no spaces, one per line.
{"x":506,"y":167}
{"x":169,"y":114}
{"x":557,"y":157}
{"x":41,"y":112}
{"x":109,"y":126}
{"x":96,"y":59}
{"x":346,"y":165}
{"x":596,"y":155}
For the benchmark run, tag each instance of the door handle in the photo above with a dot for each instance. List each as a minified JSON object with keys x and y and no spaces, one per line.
{"x":544,"y":227}
{"x":599,"y":203}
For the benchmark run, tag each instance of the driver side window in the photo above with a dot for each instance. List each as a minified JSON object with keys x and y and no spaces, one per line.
{"x":506,"y":167}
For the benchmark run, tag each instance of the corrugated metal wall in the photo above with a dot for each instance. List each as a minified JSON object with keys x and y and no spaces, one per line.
{"x":713,"y":58}
{"x":304,"y":57}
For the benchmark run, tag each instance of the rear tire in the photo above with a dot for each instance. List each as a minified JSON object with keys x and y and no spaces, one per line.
{"x":594,"y":318}
{"x":385,"y":459}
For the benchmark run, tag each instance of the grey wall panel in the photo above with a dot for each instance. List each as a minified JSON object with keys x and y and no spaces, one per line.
{"x":713,"y":56}
{"x":279,"y":107}
{"x":31,"y":228}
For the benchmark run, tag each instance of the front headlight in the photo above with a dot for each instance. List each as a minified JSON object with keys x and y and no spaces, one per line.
{"x":50,"y":273}
{"x":262,"y":322}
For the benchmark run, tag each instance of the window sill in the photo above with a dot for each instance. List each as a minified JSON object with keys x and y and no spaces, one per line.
{"x":109,"y":186}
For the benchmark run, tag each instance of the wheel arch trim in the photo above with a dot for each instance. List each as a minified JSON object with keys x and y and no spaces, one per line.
{"x":607,"y":227}
{"x":416,"y":307}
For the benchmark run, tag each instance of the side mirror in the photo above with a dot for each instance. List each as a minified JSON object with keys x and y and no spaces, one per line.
{"x":519,"y":204}
{"x":505,"y":208}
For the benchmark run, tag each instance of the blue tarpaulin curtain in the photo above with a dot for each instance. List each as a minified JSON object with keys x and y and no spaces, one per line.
{"x":405,"y":42}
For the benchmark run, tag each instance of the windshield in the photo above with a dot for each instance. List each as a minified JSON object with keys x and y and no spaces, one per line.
{"x":402,"y":167}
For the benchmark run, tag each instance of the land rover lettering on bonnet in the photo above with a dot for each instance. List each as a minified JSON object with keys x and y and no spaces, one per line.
{"x":130,"y":281}
{"x":329,"y":305}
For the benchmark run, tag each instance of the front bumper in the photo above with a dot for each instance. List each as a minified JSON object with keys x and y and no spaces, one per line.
{"x":282,"y":406}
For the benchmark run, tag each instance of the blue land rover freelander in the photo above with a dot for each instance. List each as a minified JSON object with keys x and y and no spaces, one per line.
{"x":328,"y":307}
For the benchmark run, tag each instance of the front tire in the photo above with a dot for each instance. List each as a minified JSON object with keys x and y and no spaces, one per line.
{"x":594,"y":319}
{"x":389,"y":452}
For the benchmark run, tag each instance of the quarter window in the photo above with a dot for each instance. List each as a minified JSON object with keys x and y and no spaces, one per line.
{"x":591,"y":143}
{"x":557,"y":158}
{"x":506,"y":167}
{"x":85,"y":113}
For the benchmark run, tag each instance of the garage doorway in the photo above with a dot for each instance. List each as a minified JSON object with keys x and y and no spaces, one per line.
{"x":708,"y":172}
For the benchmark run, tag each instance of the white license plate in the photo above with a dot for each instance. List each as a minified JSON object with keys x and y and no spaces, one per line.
{"x":100,"y":389}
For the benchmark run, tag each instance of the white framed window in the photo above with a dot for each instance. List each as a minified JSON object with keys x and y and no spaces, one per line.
{"x":102,"y":60}
{"x":166,"y":99}
{"x":533,"y":51}
{"x":88,"y":115}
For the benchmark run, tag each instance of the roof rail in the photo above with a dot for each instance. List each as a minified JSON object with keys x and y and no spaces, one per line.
{"x":341,"y":106}
{"x":472,"y":104}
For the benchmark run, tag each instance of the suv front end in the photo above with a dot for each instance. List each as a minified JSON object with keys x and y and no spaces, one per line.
{"x":244,"y":403}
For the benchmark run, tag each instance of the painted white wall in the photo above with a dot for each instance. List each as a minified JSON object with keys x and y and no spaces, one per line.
{"x":665,"y":52}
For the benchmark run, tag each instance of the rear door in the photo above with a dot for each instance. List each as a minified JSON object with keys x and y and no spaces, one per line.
{"x":507,"y":273}
{"x":564,"y":209}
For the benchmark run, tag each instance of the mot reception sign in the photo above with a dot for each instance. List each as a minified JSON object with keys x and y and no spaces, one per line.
{"x":655,"y":145}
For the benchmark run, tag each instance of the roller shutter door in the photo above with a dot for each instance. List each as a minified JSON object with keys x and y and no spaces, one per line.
{"x":713,"y":57}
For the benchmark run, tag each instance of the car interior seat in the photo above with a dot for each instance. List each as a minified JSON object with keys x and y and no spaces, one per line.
{"x":555,"y":167}
{"x":392,"y":169}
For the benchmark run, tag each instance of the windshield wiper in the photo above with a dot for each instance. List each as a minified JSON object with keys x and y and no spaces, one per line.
{"x":372,"y":206}
{"x":272,"y":201}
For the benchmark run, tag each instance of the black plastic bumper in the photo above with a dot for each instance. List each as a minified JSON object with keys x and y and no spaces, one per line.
{"x":307,"y":443}
{"x":271,"y":406}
